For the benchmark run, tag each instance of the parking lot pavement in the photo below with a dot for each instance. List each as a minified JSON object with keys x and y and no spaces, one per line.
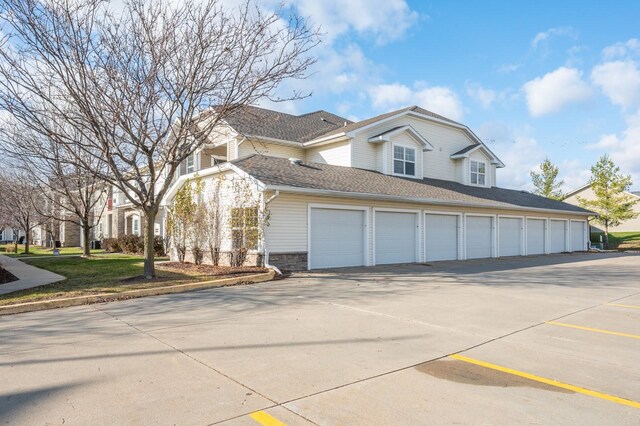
{"x":548,"y":339}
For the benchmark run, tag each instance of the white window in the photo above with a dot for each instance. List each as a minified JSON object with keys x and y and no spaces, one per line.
{"x":404,"y":160}
{"x":190,"y":165}
{"x":478,"y":172}
{"x":156,"y":228}
{"x":136,"y":226}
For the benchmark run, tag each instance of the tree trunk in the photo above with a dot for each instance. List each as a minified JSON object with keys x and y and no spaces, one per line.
{"x":606,"y":236}
{"x":26,"y":237}
{"x":86,"y":234}
{"x":149,"y":254}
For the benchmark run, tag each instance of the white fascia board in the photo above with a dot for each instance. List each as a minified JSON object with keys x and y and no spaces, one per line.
{"x":386,"y":137}
{"x":328,"y":139}
{"x":492,"y":157}
{"x":224,"y":167}
{"x":575,"y":191}
{"x":432,"y":201}
{"x":273,"y":140}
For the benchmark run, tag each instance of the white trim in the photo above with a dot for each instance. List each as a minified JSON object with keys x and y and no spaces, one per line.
{"x":416,"y":212}
{"x":415,"y":161}
{"x":494,"y":227}
{"x":461,"y":237}
{"x":365,"y":209}
{"x":412,"y":200}
{"x":523,"y":241}
{"x":386,"y":137}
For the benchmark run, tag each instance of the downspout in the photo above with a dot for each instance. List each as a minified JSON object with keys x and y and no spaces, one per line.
{"x":264,"y":240}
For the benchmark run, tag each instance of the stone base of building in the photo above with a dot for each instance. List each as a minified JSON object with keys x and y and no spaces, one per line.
{"x":295,"y":261}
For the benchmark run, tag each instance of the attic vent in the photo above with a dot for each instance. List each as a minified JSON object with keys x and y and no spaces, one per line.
{"x":295,"y":161}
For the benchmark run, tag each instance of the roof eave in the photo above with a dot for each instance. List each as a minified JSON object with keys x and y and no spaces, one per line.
{"x":433,"y":201}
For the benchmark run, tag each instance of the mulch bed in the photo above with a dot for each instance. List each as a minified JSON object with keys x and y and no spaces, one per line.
{"x":209,"y":270}
{"x":6,"y":276}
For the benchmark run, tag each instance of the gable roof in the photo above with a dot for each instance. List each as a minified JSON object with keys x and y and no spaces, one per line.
{"x":262,"y":122}
{"x":636,"y":193}
{"x":588,"y":185}
{"x":386,"y":136}
{"x":466,"y":150}
{"x":283,"y":174}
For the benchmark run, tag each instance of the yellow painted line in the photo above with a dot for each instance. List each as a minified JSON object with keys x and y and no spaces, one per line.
{"x":550,"y":382}
{"x":597,"y":330}
{"x":623,"y":306}
{"x":265,"y":419}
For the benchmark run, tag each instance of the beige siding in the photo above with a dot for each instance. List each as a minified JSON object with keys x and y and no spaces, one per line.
{"x":338,"y":154}
{"x":437,"y":164}
{"x":249,"y":147}
{"x":632,"y":225}
{"x":288,"y":229}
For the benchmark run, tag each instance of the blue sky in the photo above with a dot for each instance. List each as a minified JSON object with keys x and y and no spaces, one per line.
{"x":532,"y":79}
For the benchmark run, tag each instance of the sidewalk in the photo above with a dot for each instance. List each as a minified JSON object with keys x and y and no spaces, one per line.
{"x":28,"y":276}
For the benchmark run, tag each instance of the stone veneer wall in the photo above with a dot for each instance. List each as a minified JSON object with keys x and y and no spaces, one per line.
{"x":295,"y":261}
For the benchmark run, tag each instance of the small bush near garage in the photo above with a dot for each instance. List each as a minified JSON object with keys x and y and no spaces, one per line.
{"x":132,"y":244}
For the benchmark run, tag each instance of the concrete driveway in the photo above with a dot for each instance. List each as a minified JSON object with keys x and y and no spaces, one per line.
{"x":542,"y":340}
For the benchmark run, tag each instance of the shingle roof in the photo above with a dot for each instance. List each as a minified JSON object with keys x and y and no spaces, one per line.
{"x":414,"y":108}
{"x":255,"y":121}
{"x":281,"y":172}
{"x":636,"y":193}
{"x":466,"y":149}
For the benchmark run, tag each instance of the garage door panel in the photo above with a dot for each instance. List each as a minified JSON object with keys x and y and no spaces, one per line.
{"x":337,"y":238}
{"x":510,"y":236}
{"x":535,"y":236}
{"x":578,"y":242}
{"x":395,"y":237}
{"x":557,"y":236}
{"x":479,"y":238}
{"x":441,"y":237}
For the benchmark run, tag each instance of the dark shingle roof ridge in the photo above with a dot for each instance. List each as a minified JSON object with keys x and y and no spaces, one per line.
{"x":467,"y":148}
{"x":319,"y":176}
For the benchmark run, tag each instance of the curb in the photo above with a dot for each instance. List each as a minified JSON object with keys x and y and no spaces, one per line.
{"x":110,"y":297}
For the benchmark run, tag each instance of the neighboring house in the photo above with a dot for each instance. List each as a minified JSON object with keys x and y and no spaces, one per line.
{"x":632,"y":225}
{"x":403,"y":187}
{"x":8,"y":235}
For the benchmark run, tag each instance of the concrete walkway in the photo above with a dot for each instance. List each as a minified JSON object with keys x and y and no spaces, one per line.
{"x":28,"y":276}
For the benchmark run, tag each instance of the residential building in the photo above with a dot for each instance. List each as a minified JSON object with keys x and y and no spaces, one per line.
{"x":403,"y":187}
{"x":585,"y":192}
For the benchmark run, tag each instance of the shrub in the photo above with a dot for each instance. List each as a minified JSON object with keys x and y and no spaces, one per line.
{"x":111,"y":245}
{"x":158,"y":246}
{"x":132,"y":244}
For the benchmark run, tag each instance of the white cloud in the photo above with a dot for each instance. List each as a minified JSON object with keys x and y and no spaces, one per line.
{"x":554,"y":90}
{"x":624,"y":149}
{"x":508,"y":68}
{"x":620,"y":82}
{"x":385,"y":20}
{"x":439,"y":99}
{"x":484,"y":96}
{"x":545,"y":36}
{"x":623,"y":49}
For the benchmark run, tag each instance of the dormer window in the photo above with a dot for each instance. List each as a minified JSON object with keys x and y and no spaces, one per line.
{"x":478,"y":172}
{"x":190,"y":164}
{"x":404,"y":161}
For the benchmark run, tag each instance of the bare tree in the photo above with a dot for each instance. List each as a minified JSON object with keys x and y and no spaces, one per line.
{"x":70,"y":193}
{"x":147,"y":86}
{"x":18,"y":197}
{"x":213,"y":221}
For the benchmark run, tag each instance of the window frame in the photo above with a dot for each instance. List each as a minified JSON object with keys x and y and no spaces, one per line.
{"x":404,"y":160}
{"x":477,"y":172}
{"x":191,"y":166}
{"x":240,"y":225}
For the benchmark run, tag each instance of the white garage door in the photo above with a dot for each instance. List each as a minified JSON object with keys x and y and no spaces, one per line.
{"x":479,"y":237}
{"x":578,"y":242}
{"x":441,"y":237}
{"x":557,"y":236}
{"x":337,"y":238}
{"x":396,"y":240}
{"x":535,"y":236}
{"x":510,"y":236}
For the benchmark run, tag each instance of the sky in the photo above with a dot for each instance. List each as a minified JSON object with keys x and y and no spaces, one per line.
{"x":531,"y":79}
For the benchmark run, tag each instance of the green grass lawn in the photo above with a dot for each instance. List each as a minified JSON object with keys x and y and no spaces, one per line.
{"x":107,"y":273}
{"x":626,"y":239}
{"x":41,"y":251}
